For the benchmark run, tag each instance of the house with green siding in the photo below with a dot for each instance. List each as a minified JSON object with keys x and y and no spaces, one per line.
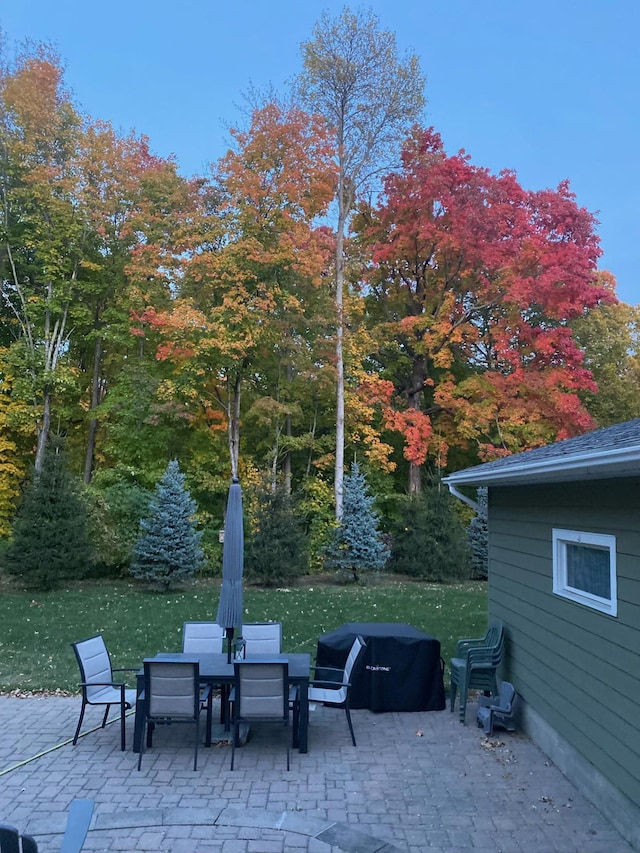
{"x":564,"y":578}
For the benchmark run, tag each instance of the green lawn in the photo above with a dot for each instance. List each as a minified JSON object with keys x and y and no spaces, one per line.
{"x":37,"y":628}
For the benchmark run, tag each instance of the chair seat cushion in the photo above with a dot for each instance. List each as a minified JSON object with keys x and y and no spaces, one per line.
{"x":110,"y":696}
{"x":326,"y":694}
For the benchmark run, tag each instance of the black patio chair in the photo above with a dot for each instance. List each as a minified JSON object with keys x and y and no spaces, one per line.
{"x":12,"y":842}
{"x":78,"y":821}
{"x":261,"y":693}
{"x":172,"y":694}
{"x":332,"y":686}
{"x":202,"y":638}
{"x":98,"y":684}
{"x":262,"y":638}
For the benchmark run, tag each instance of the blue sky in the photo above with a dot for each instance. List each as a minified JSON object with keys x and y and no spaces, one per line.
{"x":549,"y":89}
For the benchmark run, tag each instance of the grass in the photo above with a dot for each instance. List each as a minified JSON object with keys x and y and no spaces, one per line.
{"x":37,"y":628}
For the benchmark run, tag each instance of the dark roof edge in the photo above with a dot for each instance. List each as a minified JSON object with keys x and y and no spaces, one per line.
{"x":594,"y":464}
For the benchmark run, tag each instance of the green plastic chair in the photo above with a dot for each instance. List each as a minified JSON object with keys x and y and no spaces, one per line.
{"x":501,"y":711}
{"x":475,"y":665}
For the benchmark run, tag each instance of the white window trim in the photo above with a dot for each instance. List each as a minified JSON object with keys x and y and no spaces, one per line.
{"x":562,"y":538}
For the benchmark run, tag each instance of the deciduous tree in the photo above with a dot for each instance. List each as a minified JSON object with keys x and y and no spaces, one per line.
{"x":245,"y":292}
{"x":111,"y":196}
{"x":609,"y":337}
{"x":42,"y":235}
{"x":353,"y":77}
{"x":473,"y":286}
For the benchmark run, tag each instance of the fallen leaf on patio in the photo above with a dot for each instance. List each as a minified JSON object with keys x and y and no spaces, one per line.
{"x":491,"y":744}
{"x":419,"y":733}
{"x":546,"y":800}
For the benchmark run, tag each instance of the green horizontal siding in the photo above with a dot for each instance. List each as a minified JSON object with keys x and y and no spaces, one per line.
{"x":579,"y":669}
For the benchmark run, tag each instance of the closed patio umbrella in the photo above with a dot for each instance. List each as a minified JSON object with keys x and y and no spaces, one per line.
{"x":230,"y":604}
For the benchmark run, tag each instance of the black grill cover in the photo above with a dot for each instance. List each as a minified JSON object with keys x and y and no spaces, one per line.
{"x":402,"y":669}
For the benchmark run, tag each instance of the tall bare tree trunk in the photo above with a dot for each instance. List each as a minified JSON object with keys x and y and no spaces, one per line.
{"x":233,"y":420}
{"x":286,"y":462}
{"x":96,"y":397}
{"x":43,"y":429}
{"x":339,"y":470}
{"x":414,"y":401}
{"x":352,"y":76}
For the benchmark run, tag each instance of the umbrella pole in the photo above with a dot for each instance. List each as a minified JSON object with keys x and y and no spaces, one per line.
{"x":229,"y":643}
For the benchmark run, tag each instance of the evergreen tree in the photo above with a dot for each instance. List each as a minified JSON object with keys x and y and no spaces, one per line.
{"x":430,"y":542}
{"x":357,"y":545}
{"x":168,"y":551}
{"x":50,"y":542}
{"x":479,"y":538}
{"x":277,"y":549}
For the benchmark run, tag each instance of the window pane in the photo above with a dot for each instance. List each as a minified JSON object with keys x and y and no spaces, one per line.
{"x":588,"y":569}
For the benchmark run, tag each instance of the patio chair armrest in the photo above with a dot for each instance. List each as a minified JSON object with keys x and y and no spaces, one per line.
{"x":205,"y":692}
{"x":463,"y":646}
{"x":102,"y":684}
{"x":328,"y":669}
{"x":481,"y":654}
{"x":488,"y":702}
{"x":481,"y":663}
{"x":318,"y":682}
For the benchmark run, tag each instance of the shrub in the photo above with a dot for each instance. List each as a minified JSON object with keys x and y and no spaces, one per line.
{"x":317,"y":506}
{"x":115,"y":512}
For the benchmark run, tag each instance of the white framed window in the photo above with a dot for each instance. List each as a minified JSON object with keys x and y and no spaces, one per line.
{"x":584,"y":569}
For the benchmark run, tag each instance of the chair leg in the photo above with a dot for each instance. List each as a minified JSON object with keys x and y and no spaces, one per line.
{"x":490,"y":732}
{"x":348,"y":713}
{"x":106,"y":714}
{"x":75,"y":737}
{"x":453,"y":690}
{"x":123,"y":736}
{"x":234,"y":740}
{"x":295,"y":736}
{"x":463,"y":697}
{"x":142,"y":740}
{"x":195,"y":756}
{"x":209,"y":718}
{"x":288,"y":752}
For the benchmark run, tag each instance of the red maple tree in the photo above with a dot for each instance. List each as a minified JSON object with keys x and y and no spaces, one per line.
{"x":473,"y":283}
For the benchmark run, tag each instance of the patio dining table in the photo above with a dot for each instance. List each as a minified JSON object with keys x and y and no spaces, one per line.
{"x":215,"y":669}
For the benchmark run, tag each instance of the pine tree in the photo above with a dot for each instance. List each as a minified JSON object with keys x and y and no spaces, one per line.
{"x":357,"y":545}
{"x":50,"y":542}
{"x":430,"y":542}
{"x":168,"y":551}
{"x":479,"y":538}
{"x":277,"y":549}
